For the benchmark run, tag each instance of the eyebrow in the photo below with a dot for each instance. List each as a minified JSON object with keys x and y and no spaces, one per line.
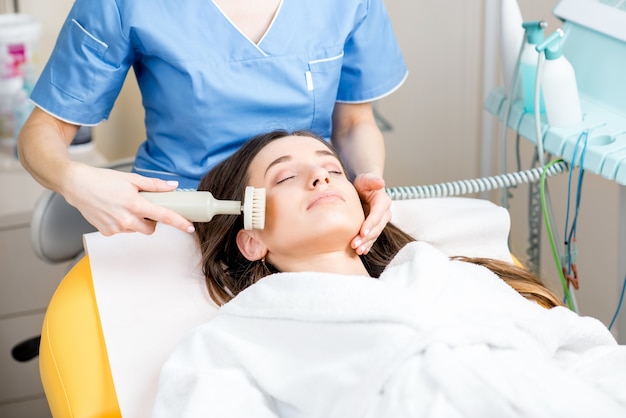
{"x":284,"y":158}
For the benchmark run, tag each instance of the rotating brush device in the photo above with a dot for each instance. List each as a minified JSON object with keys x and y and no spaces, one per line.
{"x":199,"y":206}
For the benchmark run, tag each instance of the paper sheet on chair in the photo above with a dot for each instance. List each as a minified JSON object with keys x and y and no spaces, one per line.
{"x":133,"y":276}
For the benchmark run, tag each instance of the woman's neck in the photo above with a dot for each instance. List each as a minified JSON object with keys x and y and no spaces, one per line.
{"x":338,"y":262}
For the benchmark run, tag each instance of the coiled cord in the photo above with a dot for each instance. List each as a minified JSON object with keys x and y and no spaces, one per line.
{"x":461,"y":187}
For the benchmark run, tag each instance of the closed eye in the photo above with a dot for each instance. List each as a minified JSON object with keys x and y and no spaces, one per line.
{"x":335,"y":171}
{"x":284,"y":179}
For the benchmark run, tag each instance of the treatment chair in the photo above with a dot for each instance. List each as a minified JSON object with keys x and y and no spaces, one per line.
{"x":74,"y":359}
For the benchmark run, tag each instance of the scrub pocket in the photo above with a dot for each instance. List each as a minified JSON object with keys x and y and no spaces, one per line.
{"x":323,"y":81}
{"x":79,"y":46}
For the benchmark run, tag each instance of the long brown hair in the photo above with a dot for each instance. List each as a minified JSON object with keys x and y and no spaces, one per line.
{"x":519,"y":278}
{"x":228,"y":272}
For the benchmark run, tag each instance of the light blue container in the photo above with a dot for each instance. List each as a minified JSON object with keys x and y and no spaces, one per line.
{"x":528,"y":65}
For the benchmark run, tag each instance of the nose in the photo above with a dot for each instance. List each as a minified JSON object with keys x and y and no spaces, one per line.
{"x":319,"y":176}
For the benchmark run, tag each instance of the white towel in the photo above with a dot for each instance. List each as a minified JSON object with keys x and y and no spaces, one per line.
{"x":431,"y":337}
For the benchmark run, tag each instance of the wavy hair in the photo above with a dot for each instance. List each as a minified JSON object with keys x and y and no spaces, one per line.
{"x":228,"y":272}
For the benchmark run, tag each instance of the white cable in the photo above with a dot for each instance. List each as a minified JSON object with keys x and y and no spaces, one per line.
{"x":538,"y":78}
{"x":460,"y":187}
{"x":573,"y":297}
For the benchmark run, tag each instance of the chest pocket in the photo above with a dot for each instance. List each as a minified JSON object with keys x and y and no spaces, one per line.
{"x":322,"y":80}
{"x":79,"y":81}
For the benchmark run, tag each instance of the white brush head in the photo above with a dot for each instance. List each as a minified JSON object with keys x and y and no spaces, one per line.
{"x":254,"y":208}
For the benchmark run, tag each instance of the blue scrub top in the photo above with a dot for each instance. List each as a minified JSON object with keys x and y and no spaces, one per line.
{"x":206,"y":88}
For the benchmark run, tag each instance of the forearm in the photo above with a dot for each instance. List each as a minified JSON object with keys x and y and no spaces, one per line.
{"x":107,"y":199}
{"x":358,"y":140}
{"x":361,"y":147}
{"x":43,"y":149}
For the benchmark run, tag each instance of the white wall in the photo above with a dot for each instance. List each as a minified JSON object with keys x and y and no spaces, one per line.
{"x":439,"y":105}
{"x":437,"y":113}
{"x":436,"y":118}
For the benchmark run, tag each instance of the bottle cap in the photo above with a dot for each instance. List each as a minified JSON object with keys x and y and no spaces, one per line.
{"x":534,"y":30}
{"x":552,"y":45}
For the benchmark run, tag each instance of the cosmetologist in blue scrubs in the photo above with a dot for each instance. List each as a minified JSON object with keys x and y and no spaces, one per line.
{"x":207,"y":87}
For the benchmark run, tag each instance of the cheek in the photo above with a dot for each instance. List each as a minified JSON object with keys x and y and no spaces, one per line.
{"x":277,"y":213}
{"x":283,"y":226}
{"x":355,"y":204}
{"x":271,"y":217}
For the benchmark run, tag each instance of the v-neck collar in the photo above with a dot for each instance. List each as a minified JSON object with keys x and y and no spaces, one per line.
{"x":256,"y":45}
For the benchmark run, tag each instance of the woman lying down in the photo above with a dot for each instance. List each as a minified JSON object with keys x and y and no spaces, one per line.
{"x":309,"y":328}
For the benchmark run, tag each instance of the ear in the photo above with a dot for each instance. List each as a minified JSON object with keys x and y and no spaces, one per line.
{"x":250,"y":246}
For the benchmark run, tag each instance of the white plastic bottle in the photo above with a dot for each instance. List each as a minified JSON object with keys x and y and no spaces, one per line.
{"x":9,"y":88}
{"x":511,"y":38}
{"x":528,"y":64}
{"x":22,"y":107}
{"x":558,"y":82}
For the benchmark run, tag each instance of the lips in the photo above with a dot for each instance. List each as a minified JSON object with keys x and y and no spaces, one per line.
{"x":327,"y":196}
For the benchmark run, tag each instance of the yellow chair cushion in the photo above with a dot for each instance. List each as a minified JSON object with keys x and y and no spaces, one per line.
{"x":73,"y":361}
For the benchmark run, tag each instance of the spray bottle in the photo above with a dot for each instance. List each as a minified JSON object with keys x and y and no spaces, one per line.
{"x":534,"y":36}
{"x":558,"y":83}
{"x":511,"y":41}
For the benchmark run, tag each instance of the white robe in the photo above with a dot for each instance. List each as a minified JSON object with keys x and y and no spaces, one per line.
{"x":431,"y":338}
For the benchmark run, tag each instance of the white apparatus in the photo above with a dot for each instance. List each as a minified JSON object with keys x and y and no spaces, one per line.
{"x":511,"y":39}
{"x":558,"y":83}
{"x":201,"y":206}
